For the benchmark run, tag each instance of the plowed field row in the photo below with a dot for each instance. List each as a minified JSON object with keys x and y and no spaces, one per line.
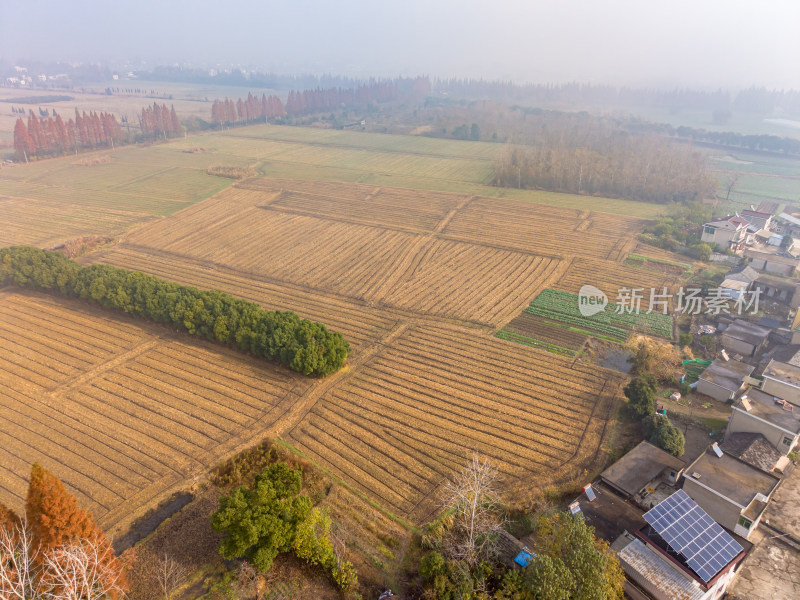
{"x":348,"y":259}
{"x":612,"y":277}
{"x":516,"y":232}
{"x":119,"y":424}
{"x":388,"y":208}
{"x":500,"y":279}
{"x":414,"y":414}
{"x":537,"y":328}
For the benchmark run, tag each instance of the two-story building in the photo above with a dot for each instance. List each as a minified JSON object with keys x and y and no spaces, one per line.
{"x":726,"y":232}
{"x":774,"y":418}
{"x":681,"y":554}
{"x":734,"y":493}
{"x":760,"y":220}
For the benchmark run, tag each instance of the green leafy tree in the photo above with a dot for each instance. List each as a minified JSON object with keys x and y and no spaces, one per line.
{"x":475,"y":132}
{"x":685,"y":339}
{"x":669,"y":438}
{"x":581,"y":567}
{"x":641,"y":395}
{"x":262,"y":522}
{"x":312,"y":541}
{"x":651,"y":423}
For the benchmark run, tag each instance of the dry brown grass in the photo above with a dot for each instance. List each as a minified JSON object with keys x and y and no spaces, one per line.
{"x":231,"y":172}
{"x":91,"y":161}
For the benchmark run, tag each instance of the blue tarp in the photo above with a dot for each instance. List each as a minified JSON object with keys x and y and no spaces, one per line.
{"x":523,"y":559}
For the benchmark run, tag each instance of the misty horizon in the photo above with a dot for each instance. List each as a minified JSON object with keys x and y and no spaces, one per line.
{"x":618,"y":42}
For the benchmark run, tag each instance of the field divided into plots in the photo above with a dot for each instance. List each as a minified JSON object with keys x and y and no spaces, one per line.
{"x":418,"y":281}
{"x":119,"y":410}
{"x":413,"y":416}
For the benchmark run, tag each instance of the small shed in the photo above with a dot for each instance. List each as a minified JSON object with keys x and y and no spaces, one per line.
{"x":645,"y":463}
{"x":723,"y":379}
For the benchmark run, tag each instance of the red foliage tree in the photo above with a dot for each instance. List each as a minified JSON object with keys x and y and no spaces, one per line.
{"x":23,"y":142}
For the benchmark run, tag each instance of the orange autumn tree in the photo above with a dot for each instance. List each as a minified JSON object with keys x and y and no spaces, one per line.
{"x":64,"y":539}
{"x":53,"y":514}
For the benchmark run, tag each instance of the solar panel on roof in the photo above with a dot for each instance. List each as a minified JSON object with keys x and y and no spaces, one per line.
{"x":689,"y":531}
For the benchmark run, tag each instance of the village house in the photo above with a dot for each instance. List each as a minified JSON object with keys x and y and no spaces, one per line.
{"x":738,"y":281}
{"x":643,"y":474}
{"x":760,"y":220}
{"x":726,"y":232}
{"x":734,"y":493}
{"x":775,"y":419}
{"x":787,"y":224}
{"x":783,"y":381}
{"x":745,"y":338}
{"x":777,"y":289}
{"x":680,"y":554}
{"x":724,"y":379}
{"x":756,"y":451}
{"x":777,"y":263}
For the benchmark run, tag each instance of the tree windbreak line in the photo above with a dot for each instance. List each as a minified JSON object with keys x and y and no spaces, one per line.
{"x":582,"y":154}
{"x":304,"y":346}
{"x":314,"y":100}
{"x":159,"y":121}
{"x":54,"y":136}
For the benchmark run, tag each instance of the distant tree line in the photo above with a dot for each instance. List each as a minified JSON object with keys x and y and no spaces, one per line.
{"x":275,"y":81}
{"x":758,"y":100}
{"x":159,"y":121}
{"x":50,"y":136}
{"x":582,"y":154}
{"x":312,"y":101}
{"x":302,"y":345}
{"x":250,"y":109}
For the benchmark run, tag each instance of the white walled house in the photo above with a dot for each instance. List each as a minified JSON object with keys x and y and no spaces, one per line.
{"x":759,"y":412}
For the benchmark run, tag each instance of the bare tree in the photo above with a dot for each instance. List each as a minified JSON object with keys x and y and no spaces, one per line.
{"x":170,"y":575}
{"x":729,"y":181}
{"x":474,"y":503}
{"x":18,"y":560}
{"x":82,"y":570}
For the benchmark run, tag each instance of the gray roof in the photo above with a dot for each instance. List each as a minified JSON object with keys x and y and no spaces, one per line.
{"x":727,"y":374}
{"x":639,"y":467}
{"x":656,"y":571}
{"x":762,"y":405}
{"x":746,"y":332}
{"x":746,"y":274}
{"x":731,"y":477}
{"x":771,"y":257}
{"x":752,"y":448}
{"x":784,"y":372}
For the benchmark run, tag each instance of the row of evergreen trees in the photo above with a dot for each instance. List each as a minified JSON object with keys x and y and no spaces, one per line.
{"x":304,"y":346}
{"x":54,"y":136}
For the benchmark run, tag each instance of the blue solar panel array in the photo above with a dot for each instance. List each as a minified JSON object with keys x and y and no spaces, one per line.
{"x":689,"y":531}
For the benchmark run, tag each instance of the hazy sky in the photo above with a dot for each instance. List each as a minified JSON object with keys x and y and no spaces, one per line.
{"x":708,"y":43}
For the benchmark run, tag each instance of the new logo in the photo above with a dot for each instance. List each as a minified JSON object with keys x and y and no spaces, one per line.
{"x":591,"y":300}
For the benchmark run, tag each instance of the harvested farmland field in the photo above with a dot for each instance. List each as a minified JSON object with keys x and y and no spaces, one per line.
{"x":122,"y":412}
{"x":414,"y":414}
{"x":429,"y":287}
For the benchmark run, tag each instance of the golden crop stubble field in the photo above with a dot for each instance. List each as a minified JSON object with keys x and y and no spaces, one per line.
{"x":121,"y":411}
{"x":427,"y":384}
{"x":418,"y":281}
